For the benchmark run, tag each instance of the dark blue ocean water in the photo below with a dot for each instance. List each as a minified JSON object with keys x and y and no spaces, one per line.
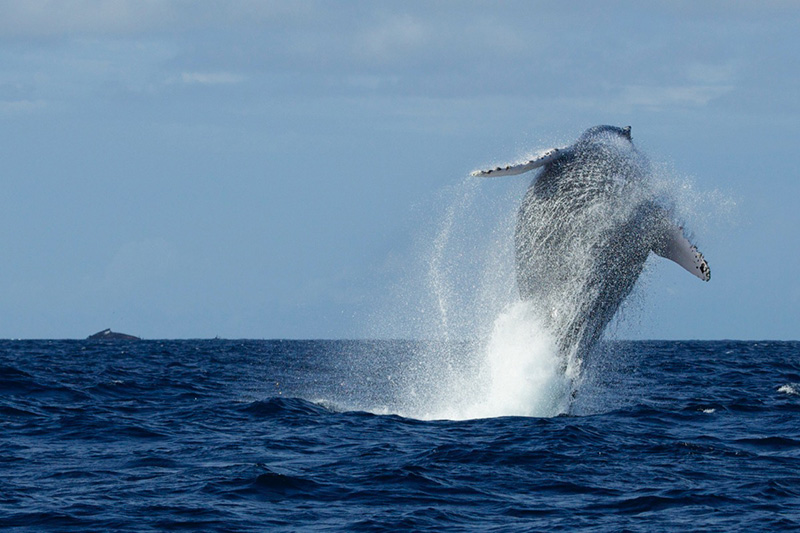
{"x":215,"y":435}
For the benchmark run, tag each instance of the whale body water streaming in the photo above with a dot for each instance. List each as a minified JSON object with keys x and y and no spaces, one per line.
{"x":573,"y":250}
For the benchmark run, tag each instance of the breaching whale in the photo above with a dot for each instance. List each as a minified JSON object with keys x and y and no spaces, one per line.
{"x":586,"y":225}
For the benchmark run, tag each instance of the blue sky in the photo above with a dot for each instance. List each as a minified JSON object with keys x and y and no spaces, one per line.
{"x":283,"y":169}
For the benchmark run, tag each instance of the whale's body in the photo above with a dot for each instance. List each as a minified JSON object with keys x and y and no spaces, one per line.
{"x":584,"y":230}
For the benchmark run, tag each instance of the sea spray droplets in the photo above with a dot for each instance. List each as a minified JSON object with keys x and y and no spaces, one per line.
{"x":512,"y":367}
{"x":519,"y":373}
{"x":527,"y":377}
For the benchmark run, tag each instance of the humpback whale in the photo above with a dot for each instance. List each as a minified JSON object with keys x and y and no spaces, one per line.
{"x":109,"y":335}
{"x":585,"y":227}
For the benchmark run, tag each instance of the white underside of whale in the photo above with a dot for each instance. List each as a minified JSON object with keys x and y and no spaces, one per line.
{"x":677,"y":248}
{"x":520,"y":168}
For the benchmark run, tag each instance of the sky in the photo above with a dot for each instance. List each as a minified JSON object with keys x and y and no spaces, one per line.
{"x":177,"y":169}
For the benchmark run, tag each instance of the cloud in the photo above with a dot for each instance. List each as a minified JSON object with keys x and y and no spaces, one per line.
{"x":711,"y":73}
{"x":21,"y":106}
{"x":395,"y":37}
{"x":313,"y":49}
{"x":211,"y":78}
{"x":60,"y":18}
{"x":672,"y":96}
{"x":52,"y":18}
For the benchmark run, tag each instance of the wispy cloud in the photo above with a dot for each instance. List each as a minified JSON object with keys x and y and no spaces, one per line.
{"x":21,"y":106}
{"x":672,"y":96}
{"x":59,"y":18}
{"x":397,"y":36}
{"x":52,"y":18}
{"x":211,"y":78}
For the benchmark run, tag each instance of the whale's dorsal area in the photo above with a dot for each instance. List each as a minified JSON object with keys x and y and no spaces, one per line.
{"x":520,"y":168}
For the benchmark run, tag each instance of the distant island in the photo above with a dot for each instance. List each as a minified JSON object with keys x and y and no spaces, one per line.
{"x":107,"y":334}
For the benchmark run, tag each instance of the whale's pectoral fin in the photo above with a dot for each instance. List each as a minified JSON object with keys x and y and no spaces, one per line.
{"x":520,"y":168}
{"x":674,"y":245}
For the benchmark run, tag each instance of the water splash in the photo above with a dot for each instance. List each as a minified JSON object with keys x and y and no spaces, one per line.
{"x":527,"y":377}
{"x":523,"y":373}
{"x":491,"y":354}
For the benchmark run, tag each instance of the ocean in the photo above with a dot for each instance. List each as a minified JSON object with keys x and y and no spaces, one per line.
{"x":282,"y":435}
